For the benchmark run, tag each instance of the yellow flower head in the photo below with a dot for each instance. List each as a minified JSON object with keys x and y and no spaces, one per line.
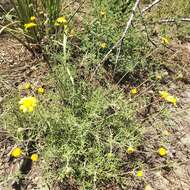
{"x":162,"y":151}
{"x":130,"y":150}
{"x":61,"y":21}
{"x":103,"y":13}
{"x":134,"y":91}
{"x":139,"y":173}
{"x":40,"y":90}
{"x":30,"y":25}
{"x":165,"y":40}
{"x":32,"y":18}
{"x":16,"y":152}
{"x":34,"y":157}
{"x":27,"y":85}
{"x":164,"y":94}
{"x":27,"y":104}
{"x":103,"y":45}
{"x":171,"y":99}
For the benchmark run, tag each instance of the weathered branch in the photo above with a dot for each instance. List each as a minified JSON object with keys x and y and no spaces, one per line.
{"x":172,"y":20}
{"x":150,"y":6}
{"x":124,"y":33}
{"x":119,"y":42}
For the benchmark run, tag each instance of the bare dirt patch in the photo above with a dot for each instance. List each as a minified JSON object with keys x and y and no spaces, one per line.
{"x":17,"y":65}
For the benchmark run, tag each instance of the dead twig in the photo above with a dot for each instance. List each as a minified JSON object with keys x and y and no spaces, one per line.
{"x":170,"y":21}
{"x":174,"y":20}
{"x":150,"y":6}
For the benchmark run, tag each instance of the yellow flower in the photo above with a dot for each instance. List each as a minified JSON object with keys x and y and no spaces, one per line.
{"x":30,"y":25}
{"x":32,"y":18}
{"x":40,"y":90}
{"x":16,"y":152}
{"x":27,"y":85}
{"x":164,"y":94}
{"x":103,"y":45}
{"x":103,"y":13}
{"x":139,"y":173}
{"x":130,"y":150}
{"x":134,"y":91}
{"x":148,"y":187}
{"x":34,"y":157}
{"x":27,"y":104}
{"x":162,"y":151}
{"x":165,"y":40}
{"x":61,"y":21}
{"x":171,"y":99}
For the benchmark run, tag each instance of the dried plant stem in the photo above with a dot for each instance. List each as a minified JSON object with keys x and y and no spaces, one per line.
{"x":120,"y":41}
{"x":150,"y":6}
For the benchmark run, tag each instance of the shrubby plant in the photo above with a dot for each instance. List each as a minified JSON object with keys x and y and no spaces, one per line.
{"x":84,"y":126}
{"x":86,"y":130}
{"x":36,"y":21}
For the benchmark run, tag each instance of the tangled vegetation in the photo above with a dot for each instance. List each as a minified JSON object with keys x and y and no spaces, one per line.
{"x":84,"y":124}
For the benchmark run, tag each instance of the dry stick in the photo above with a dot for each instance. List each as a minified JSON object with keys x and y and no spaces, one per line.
{"x":150,"y":6}
{"x":119,"y":42}
{"x":148,"y":37}
{"x":174,"y":20}
{"x":125,"y":31}
{"x":170,"y":21}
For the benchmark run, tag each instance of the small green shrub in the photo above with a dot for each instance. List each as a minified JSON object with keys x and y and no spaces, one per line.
{"x":84,"y":133}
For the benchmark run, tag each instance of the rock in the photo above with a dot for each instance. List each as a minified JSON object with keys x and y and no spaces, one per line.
{"x":186,"y":94}
{"x":186,"y":140}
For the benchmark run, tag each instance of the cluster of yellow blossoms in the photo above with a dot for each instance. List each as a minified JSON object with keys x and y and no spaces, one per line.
{"x":31,"y":24}
{"x":168,"y":97}
{"x":163,"y":94}
{"x":61,"y":21}
{"x":28,"y":86}
{"x":161,"y":151}
{"x":165,"y":40}
{"x":17,"y":153}
{"x":139,"y":173}
{"x":103,"y":45}
{"x":28,"y":104}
